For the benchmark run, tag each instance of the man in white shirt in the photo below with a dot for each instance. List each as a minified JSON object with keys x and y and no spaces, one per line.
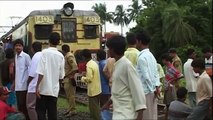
{"x":207,"y":53}
{"x":51,"y":70}
{"x":127,"y":92}
{"x":22,"y":63}
{"x":190,"y":77}
{"x":32,"y":81}
{"x":203,"y":108}
{"x":149,"y":76}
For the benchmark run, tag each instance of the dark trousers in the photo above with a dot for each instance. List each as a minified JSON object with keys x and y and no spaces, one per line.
{"x":104,"y":98}
{"x":94,"y":107}
{"x":201,"y":111}
{"x":46,"y":104}
{"x":21,"y":103}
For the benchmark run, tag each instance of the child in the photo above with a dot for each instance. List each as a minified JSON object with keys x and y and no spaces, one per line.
{"x":7,"y":112}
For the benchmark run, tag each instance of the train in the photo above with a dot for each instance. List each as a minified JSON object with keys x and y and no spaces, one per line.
{"x":80,"y":29}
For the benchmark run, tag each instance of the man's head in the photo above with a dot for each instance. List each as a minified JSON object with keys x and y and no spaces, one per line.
{"x":18,"y":45}
{"x":198,"y":65}
{"x":9,"y":53}
{"x":131,"y":39}
{"x":190,"y":53}
{"x":37,"y":46}
{"x":143,"y":40}
{"x":1,"y":44}
{"x":86,"y":53}
{"x":172,"y":52}
{"x":54,"y":39}
{"x":166,"y":59}
{"x":207,"y":52}
{"x":65,"y":48}
{"x":4,"y":93}
{"x":101,"y":55}
{"x":181,"y":93}
{"x":116,"y":46}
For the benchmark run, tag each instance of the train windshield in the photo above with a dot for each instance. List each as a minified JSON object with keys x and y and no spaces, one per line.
{"x":69,"y":30}
{"x":43,"y":31}
{"x":90,"y":31}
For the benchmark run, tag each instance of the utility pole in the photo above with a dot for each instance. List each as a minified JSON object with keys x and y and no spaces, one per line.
{"x":14,"y":17}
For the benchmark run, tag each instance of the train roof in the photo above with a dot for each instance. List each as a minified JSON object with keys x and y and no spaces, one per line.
{"x":53,"y":12}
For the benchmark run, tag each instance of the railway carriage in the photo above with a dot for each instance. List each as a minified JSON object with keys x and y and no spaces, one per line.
{"x":78,"y":28}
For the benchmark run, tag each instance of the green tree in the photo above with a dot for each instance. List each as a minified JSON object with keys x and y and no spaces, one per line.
{"x":134,"y":10}
{"x":101,"y":10}
{"x":174,"y":23}
{"x":176,"y":32}
{"x":120,"y":17}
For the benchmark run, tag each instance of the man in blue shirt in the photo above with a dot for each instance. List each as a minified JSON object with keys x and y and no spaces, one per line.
{"x":148,"y":73}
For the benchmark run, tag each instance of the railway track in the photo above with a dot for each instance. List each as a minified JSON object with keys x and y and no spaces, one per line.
{"x":80,"y":96}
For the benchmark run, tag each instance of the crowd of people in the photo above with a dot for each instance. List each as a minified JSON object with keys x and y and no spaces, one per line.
{"x":124,"y":82}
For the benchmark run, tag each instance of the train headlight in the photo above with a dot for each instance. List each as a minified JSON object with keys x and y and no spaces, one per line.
{"x":68,"y":9}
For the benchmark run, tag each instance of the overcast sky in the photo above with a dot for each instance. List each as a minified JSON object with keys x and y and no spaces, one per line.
{"x":21,"y":9}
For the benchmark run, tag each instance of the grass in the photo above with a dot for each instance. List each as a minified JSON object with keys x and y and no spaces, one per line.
{"x":62,"y":103}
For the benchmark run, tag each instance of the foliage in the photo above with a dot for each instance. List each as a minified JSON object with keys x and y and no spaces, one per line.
{"x":176,"y":23}
{"x":134,"y":10}
{"x":120,"y":17}
{"x":181,"y":51}
{"x":101,"y":10}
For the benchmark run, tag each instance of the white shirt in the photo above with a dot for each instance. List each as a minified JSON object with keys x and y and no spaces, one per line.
{"x":208,"y":60}
{"x":127,"y":91}
{"x":190,"y":76}
{"x":148,"y":71}
{"x":32,"y":72}
{"x":51,"y":66}
{"x":204,"y":87}
{"x":22,"y":63}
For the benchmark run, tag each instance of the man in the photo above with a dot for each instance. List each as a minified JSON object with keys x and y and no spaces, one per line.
{"x":8,"y":75}
{"x":32,"y":81}
{"x":207,"y":53}
{"x":204,"y":93}
{"x":105,"y":88}
{"x":177,"y":63}
{"x":127,"y":92}
{"x":2,"y":54}
{"x":69,"y":81}
{"x":148,"y":73}
{"x":92,"y":79}
{"x":178,"y":109}
{"x":108,"y":68}
{"x":131,"y":53}
{"x":22,"y":64}
{"x":51,"y":71}
{"x":190,"y":77}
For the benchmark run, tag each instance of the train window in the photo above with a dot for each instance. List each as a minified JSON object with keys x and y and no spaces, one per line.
{"x":69,"y":30}
{"x":43,"y":31}
{"x":90,"y":31}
